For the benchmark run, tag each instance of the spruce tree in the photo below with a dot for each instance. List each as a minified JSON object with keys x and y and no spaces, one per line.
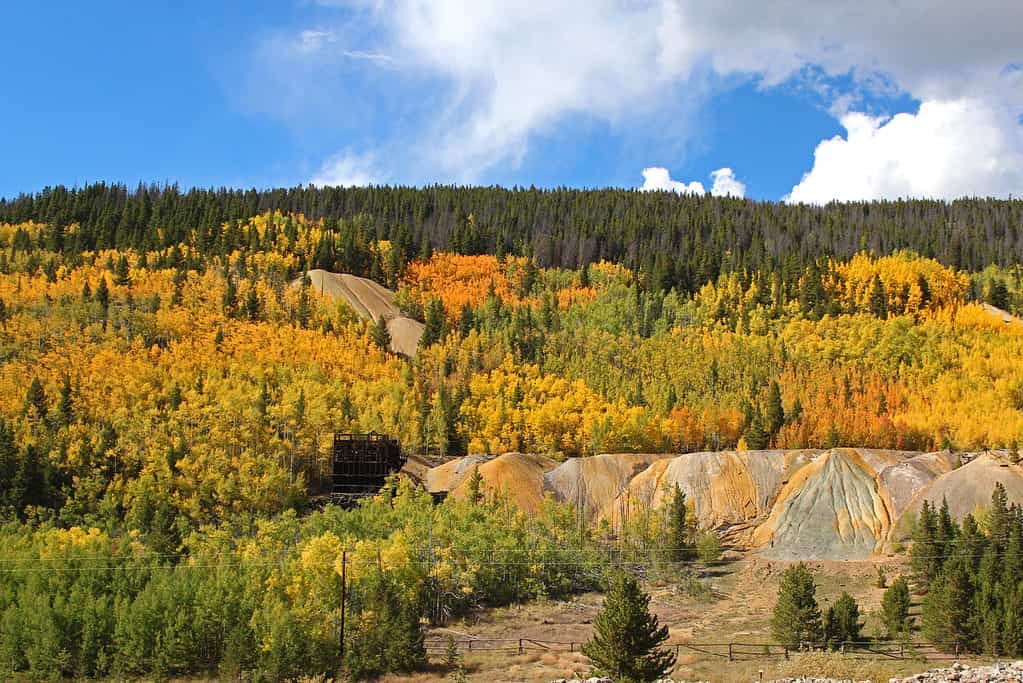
{"x":474,"y":490}
{"x":774,"y":413}
{"x":842,"y":622}
{"x":626,"y":636}
{"x":756,"y":436}
{"x":103,"y":295}
{"x":797,"y":618}
{"x":878,"y":304}
{"x":65,"y":405}
{"x":121,"y":273}
{"x":380,"y":335}
{"x":433,"y":329}
{"x":948,"y":608}
{"x":466,"y":321}
{"x":35,"y":398}
{"x":895,"y":609}
{"x":678,"y":541}
{"x":924,"y":554}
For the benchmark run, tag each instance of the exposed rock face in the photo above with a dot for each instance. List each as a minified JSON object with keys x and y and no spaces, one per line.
{"x":831,"y":508}
{"x":970,"y":486}
{"x":838,"y":504}
{"x":589,"y":483}
{"x":371,"y":301}
{"x":726,"y":489}
{"x":517,"y":475}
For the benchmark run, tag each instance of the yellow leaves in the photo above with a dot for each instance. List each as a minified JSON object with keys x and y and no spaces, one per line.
{"x":901,"y":275}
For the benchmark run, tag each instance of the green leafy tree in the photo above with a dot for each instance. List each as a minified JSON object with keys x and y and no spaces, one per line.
{"x":626,"y":635}
{"x":797,"y":617}
{"x":708,"y":547}
{"x":895,"y":609}
{"x":387,"y":635}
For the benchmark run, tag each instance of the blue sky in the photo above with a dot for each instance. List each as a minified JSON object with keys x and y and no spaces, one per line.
{"x":584,"y":94}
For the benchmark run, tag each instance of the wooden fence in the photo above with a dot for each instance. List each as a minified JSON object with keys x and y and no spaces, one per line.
{"x":875,"y":649}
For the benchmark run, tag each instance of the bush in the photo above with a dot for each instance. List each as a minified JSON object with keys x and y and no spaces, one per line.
{"x":708,"y":548}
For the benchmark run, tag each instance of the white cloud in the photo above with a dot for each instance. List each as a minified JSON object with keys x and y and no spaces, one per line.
{"x":726,"y":184}
{"x":947,"y":149}
{"x":656,"y":178}
{"x":348,"y":170}
{"x":500,"y":73}
{"x":311,"y":40}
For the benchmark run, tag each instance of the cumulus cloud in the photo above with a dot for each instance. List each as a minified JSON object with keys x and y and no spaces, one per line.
{"x":946,"y":149}
{"x":726,"y":184}
{"x":348,"y":170}
{"x":500,"y":74}
{"x":656,"y":178}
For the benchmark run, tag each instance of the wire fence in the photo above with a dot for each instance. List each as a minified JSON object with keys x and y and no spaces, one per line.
{"x":730,"y":651}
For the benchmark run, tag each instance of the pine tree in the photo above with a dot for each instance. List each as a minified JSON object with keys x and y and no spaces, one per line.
{"x":35,"y":398}
{"x":895,"y":609}
{"x":987,"y":608}
{"x":948,"y":607}
{"x":833,"y":439}
{"x":998,"y":517}
{"x":946,"y":530}
{"x":230,"y":298}
{"x":774,"y":413}
{"x":122,"y":275}
{"x":474,"y":490}
{"x":878,"y":305}
{"x":626,"y":635}
{"x":797,"y":618}
{"x":466,"y":321}
{"x":842,"y":622}
{"x":252,"y":307}
{"x":433,"y":329}
{"x":380,"y":335}
{"x":65,"y":405}
{"x":103,"y":295}
{"x":924,"y":554}
{"x":756,"y":436}
{"x":678,"y":541}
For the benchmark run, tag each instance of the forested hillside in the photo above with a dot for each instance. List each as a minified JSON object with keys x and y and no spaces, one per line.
{"x":168,"y":377}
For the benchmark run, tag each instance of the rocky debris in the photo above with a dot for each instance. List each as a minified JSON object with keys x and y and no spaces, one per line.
{"x":810,"y":679}
{"x":608,"y":680}
{"x":1003,"y":672}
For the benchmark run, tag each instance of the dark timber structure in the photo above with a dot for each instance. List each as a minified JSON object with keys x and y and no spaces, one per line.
{"x":362,"y":463}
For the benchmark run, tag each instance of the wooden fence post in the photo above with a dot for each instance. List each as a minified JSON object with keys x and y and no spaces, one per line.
{"x":520,"y":646}
{"x":730,"y":658}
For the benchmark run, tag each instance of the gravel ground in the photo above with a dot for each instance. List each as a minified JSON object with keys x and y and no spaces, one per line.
{"x":1009,"y":672}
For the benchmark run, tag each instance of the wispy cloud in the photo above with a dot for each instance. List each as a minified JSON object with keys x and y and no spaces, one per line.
{"x":499,"y":75}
